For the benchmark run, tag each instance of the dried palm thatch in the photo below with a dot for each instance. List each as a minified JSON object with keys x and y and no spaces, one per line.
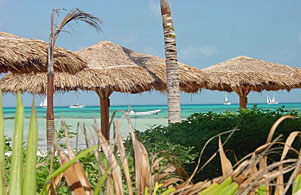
{"x":110,"y":68}
{"x":23,"y":55}
{"x":106,"y":55}
{"x":243,"y":74}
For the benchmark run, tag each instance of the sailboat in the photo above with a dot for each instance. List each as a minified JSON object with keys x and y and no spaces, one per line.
{"x":226,"y":102}
{"x":43,"y":104}
{"x":271,"y":101}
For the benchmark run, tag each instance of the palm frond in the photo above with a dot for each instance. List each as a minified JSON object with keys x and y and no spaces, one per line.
{"x":78,"y":15}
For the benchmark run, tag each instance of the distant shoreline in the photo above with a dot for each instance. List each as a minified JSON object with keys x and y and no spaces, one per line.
{"x":133,"y":105}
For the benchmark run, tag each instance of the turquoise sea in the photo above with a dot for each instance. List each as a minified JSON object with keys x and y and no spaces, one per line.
{"x":90,"y":114}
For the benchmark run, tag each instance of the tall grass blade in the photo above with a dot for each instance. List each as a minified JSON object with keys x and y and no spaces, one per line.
{"x":31,"y":154}
{"x":2,"y":140}
{"x":123,"y":157}
{"x":297,"y":185}
{"x":101,"y":181}
{"x":66,"y":166}
{"x":70,"y":175}
{"x":16,"y":174}
{"x":208,"y":190}
{"x":263,"y":162}
{"x":225,"y":162}
{"x":142,"y":167}
{"x":112,"y":161}
{"x":157,"y":186}
{"x":2,"y":181}
{"x":288,"y":143}
{"x":79,"y":170}
{"x":168,"y":191}
{"x":2,"y":148}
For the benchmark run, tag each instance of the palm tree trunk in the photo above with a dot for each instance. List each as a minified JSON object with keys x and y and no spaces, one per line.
{"x":73,"y":15}
{"x":50,"y":88}
{"x":172,"y":72}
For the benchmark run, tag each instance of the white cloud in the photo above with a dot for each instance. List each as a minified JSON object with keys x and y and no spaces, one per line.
{"x":193,"y":52}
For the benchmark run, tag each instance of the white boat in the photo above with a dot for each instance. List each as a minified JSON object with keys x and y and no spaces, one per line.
{"x":143,"y":113}
{"x":271,"y":101}
{"x":227,"y":102}
{"x":43,"y":104}
{"x":77,"y":105}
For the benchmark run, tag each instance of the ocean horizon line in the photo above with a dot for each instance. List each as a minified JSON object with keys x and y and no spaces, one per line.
{"x":133,"y":105}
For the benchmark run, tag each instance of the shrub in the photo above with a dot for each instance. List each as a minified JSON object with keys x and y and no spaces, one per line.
{"x":186,"y":139}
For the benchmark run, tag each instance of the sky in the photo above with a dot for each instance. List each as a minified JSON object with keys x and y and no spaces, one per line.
{"x":207,"y":32}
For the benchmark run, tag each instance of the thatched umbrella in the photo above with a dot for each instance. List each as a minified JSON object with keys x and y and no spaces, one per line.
{"x":243,"y":74}
{"x":24,"y":55}
{"x":111,"y":68}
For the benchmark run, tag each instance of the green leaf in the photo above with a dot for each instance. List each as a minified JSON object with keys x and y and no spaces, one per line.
{"x":297,"y":184}
{"x":2,"y":139}
{"x":16,"y":174}
{"x":230,"y":190}
{"x":31,"y":154}
{"x":146,"y":190}
{"x":2,"y":181}
{"x":222,"y":186}
{"x":157,"y":186}
{"x":261,"y":190}
{"x":2,"y":148}
{"x":101,"y":181}
{"x":209,"y":189}
{"x":169,"y":191}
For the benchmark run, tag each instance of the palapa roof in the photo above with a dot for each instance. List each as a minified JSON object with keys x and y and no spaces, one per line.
{"x":110,"y":67}
{"x":19,"y":54}
{"x":251,"y":73}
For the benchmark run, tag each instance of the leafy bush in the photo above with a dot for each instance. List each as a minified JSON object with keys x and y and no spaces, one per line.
{"x":186,"y":139}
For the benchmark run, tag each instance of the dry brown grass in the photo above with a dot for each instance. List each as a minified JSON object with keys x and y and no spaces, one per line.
{"x":250,"y":174}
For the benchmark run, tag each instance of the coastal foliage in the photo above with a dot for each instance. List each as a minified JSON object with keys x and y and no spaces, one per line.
{"x":111,"y":169}
{"x":186,"y":139}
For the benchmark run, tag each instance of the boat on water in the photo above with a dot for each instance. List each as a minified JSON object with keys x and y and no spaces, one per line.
{"x":151,"y":112}
{"x":226,"y":102}
{"x":43,"y":103}
{"x":77,"y":105}
{"x":271,"y":101}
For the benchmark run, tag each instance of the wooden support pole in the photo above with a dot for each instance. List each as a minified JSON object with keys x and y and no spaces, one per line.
{"x":105,"y":117}
{"x":243,"y":100}
{"x":104,"y":112}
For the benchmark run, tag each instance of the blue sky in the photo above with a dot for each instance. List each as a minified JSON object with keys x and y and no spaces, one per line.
{"x":208,"y":32}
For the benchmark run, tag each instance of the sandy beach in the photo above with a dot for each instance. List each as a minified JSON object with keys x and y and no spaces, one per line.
{"x":138,"y":123}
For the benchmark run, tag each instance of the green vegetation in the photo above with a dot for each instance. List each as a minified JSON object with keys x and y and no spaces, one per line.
{"x":186,"y":139}
{"x":110,"y":170}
